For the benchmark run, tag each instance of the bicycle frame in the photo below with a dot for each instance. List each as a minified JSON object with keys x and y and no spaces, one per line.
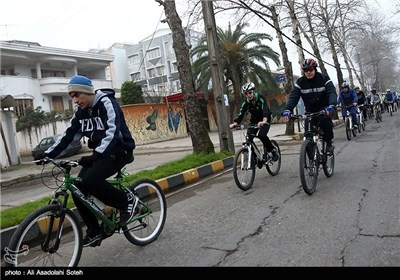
{"x":252,"y":147}
{"x":69,"y":185}
{"x":312,"y":132}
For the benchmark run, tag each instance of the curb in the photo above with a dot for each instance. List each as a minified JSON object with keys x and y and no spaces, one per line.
{"x":167,"y":184}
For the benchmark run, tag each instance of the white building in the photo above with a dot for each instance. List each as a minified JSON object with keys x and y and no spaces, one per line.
{"x":38,"y":76}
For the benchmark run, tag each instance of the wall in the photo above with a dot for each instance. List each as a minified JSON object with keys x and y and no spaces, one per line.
{"x":147,"y":123}
{"x":9,"y":146}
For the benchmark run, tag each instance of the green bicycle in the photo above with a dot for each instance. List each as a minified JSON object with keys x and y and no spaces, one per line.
{"x":52,"y":235}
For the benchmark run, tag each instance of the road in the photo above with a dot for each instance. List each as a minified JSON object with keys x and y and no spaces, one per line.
{"x":351,"y":220}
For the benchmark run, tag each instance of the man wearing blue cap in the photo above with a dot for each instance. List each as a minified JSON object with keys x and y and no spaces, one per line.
{"x":100,"y":118}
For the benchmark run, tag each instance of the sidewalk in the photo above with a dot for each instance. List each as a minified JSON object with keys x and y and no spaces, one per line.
{"x":26,"y":171}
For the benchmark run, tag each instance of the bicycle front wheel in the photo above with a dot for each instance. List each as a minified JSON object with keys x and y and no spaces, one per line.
{"x":329,"y":165}
{"x":273,"y":167}
{"x":348,"y":129}
{"x":46,"y":238}
{"x":309,"y":165}
{"x":149,"y":221}
{"x":244,"y":171}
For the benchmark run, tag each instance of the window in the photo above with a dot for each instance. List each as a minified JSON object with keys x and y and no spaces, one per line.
{"x":152,"y":73}
{"x":22,"y":105}
{"x":174,"y":67}
{"x":134,"y":59}
{"x":53,"y":73}
{"x":135,"y":77}
{"x":153,"y":53}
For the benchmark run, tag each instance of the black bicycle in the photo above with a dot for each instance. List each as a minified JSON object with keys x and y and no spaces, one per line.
{"x":313,"y":153}
{"x":248,"y":157}
{"x":52,"y":234}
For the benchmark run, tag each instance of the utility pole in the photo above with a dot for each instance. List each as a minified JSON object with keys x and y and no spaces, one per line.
{"x":222,"y":106}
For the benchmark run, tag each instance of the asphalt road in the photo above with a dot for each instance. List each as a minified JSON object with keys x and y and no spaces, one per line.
{"x":351,"y":220}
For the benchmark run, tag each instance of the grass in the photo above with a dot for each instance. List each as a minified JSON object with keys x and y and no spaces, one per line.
{"x":13,"y":216}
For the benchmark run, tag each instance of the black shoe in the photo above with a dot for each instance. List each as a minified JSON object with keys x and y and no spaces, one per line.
{"x":330,"y":148}
{"x":275,"y":155}
{"x":92,"y":241}
{"x":129,"y":212}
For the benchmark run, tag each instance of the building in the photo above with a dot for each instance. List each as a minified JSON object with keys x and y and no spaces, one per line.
{"x":35,"y":75}
{"x":152,"y":63}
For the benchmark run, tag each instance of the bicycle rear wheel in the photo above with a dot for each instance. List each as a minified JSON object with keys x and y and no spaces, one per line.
{"x":273,"y":167}
{"x":34,"y":243}
{"x":242,"y":173}
{"x":149,"y":221}
{"x":309,"y":165}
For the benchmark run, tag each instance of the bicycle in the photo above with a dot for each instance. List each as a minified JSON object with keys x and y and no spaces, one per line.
{"x":360,"y":119}
{"x":313,"y":154}
{"x":52,"y":234}
{"x":390,"y":107}
{"x":378,"y":113}
{"x":248,"y":157}
{"x":348,"y":121}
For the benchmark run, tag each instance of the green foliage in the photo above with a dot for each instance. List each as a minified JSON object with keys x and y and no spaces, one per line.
{"x":13,"y":216}
{"x":244,"y":56}
{"x":38,"y":117}
{"x":131,"y":93}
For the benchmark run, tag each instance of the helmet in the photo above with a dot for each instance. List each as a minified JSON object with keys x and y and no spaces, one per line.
{"x":356,"y":88}
{"x":388,"y":89}
{"x":309,"y":62}
{"x":248,"y":87}
{"x":373,"y":90}
{"x":345,"y":84}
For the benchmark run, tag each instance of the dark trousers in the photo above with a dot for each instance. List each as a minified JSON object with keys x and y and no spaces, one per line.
{"x":94,"y":182}
{"x":262,"y":134}
{"x":326,"y":125}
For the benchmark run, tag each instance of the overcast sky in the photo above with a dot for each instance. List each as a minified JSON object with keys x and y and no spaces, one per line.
{"x":85,"y":24}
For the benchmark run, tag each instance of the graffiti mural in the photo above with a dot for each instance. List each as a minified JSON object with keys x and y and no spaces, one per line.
{"x":155,"y":122}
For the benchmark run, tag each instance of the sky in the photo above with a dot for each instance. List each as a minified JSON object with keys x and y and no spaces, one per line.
{"x":87,"y":24}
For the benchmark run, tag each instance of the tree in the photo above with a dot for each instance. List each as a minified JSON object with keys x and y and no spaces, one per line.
{"x":197,"y":130}
{"x":131,"y":93}
{"x":244,"y":58}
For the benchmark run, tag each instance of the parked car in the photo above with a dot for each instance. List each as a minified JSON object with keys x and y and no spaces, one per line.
{"x":45,"y":143}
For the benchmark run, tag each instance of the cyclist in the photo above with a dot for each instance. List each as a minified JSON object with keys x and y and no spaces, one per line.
{"x":348,"y":97}
{"x":388,"y":100}
{"x":361,"y":101}
{"x":99,"y":118}
{"x":257,"y":106}
{"x":319,"y":95}
{"x":375,"y":99}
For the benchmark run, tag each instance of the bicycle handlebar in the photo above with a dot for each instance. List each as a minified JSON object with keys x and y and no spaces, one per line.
{"x":61,"y":163}
{"x":245,"y":126}
{"x":307,"y":114}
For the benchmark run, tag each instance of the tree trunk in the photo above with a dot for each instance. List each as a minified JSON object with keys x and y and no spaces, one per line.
{"x":197,"y":130}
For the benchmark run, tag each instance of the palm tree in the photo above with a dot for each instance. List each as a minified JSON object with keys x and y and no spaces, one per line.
{"x":244,"y":58}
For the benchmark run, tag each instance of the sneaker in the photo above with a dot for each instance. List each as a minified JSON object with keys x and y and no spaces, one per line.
{"x":92,"y":241}
{"x":330,"y":148}
{"x":275,"y":155}
{"x":355,"y":126}
{"x":129,"y":212}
